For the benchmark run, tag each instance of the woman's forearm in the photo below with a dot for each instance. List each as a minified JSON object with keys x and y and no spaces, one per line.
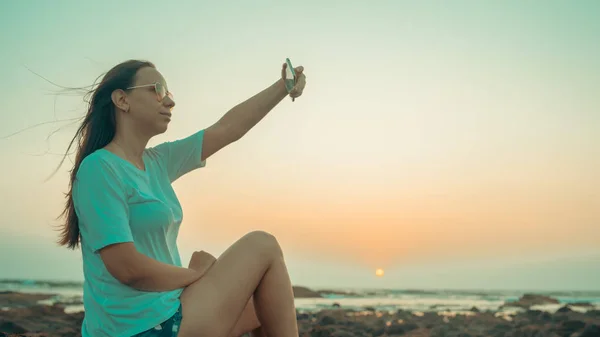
{"x":244,"y":116}
{"x":153,"y":275}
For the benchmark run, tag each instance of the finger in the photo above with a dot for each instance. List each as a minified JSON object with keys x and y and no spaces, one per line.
{"x":295,"y":93}
{"x":299,"y":75}
{"x":300,"y":84}
{"x":299,"y":69}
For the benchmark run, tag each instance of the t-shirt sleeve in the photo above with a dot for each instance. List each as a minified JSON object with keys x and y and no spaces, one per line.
{"x":100,"y":201}
{"x":181,"y":156}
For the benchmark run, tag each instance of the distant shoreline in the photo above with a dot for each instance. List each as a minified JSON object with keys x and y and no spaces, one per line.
{"x":466,"y":291}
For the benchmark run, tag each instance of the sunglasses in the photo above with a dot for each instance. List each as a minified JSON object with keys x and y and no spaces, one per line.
{"x":161,"y":91}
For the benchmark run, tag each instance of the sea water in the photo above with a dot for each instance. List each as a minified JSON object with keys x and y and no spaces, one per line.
{"x":441,"y":301}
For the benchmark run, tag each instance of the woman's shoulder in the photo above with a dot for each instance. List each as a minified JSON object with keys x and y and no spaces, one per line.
{"x":95,"y":159}
{"x":96,"y":165}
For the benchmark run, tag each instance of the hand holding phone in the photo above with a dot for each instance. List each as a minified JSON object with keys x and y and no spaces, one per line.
{"x":294,"y":82}
{"x":290,"y":75}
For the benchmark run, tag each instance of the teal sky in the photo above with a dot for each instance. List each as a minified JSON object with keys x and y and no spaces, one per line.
{"x":455,"y":146}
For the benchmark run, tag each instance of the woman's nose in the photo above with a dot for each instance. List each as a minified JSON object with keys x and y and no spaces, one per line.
{"x":169,"y":102}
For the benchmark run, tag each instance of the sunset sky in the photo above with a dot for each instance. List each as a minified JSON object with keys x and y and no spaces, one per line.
{"x":453,"y":146}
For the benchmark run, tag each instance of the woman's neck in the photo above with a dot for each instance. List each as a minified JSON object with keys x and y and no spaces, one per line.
{"x":130,"y":146}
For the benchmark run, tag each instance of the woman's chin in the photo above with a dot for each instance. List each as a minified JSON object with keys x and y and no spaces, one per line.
{"x":161,"y":128}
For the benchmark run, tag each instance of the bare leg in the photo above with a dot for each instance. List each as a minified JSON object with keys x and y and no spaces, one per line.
{"x":266,"y":294}
{"x":254,"y":265}
{"x":248,"y":323}
{"x":258,"y":332}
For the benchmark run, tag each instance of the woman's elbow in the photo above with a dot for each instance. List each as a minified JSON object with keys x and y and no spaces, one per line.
{"x":122,"y":263}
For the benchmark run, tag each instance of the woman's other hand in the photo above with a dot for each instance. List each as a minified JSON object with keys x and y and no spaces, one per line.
{"x":201,"y":261}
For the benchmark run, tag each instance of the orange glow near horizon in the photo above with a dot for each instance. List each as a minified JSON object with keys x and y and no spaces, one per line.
{"x":372,"y":224}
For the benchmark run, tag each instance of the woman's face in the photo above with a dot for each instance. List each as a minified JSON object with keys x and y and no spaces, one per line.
{"x":150,"y":103}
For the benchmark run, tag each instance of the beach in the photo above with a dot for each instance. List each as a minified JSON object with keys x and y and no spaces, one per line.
{"x":34,"y":310}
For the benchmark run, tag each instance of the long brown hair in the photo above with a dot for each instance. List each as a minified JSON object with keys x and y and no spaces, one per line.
{"x":95,"y":131}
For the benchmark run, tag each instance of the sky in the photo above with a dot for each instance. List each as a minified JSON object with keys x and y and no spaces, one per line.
{"x":453,"y":146}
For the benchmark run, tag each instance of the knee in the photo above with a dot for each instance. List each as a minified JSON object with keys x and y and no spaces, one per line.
{"x":265,"y":243}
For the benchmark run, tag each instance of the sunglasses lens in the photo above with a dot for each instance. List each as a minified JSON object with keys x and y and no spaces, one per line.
{"x":161,"y":92}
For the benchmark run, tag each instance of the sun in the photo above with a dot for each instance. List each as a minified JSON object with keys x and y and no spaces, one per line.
{"x":379,"y":272}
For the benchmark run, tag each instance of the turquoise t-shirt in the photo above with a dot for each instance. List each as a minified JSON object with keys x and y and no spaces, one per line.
{"x":117,"y":202}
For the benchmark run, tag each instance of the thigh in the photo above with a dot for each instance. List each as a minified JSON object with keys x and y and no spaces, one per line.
{"x":214,"y":304}
{"x":247,"y":322}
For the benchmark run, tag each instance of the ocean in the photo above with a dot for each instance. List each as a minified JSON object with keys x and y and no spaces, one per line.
{"x":414,"y":300}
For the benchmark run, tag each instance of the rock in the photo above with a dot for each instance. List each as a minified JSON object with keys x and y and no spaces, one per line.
{"x":303,"y":292}
{"x":528,"y":300}
{"x":500,"y":329}
{"x":343,"y":333}
{"x":47,"y":321}
{"x":529,"y":331}
{"x":52,"y":321}
{"x":538,"y":316}
{"x":336,"y":314}
{"x":593,"y":313}
{"x":11,"y":327}
{"x":327,"y":320}
{"x":400,"y":329}
{"x":564,"y":309}
{"x":420,"y":332}
{"x":560,"y":317}
{"x":533,"y":313}
{"x":11,"y":299}
{"x":545,"y":317}
{"x":449,"y":330}
{"x":337,"y":292}
{"x":320,"y":331}
{"x":567,"y":328}
{"x":591,"y":330}
{"x":378,"y":332}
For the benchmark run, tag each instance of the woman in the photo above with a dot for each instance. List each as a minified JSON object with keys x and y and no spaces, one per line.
{"x":123,"y":212}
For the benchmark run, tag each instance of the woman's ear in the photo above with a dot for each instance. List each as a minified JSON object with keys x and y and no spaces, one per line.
{"x":119,"y":99}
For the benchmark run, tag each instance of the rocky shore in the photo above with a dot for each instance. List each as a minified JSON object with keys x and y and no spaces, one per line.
{"x":23,"y":315}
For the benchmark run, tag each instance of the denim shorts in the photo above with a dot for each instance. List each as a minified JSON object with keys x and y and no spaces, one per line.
{"x":168,"y":328}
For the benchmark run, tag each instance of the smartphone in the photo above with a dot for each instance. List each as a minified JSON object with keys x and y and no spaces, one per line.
{"x":290,"y":75}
